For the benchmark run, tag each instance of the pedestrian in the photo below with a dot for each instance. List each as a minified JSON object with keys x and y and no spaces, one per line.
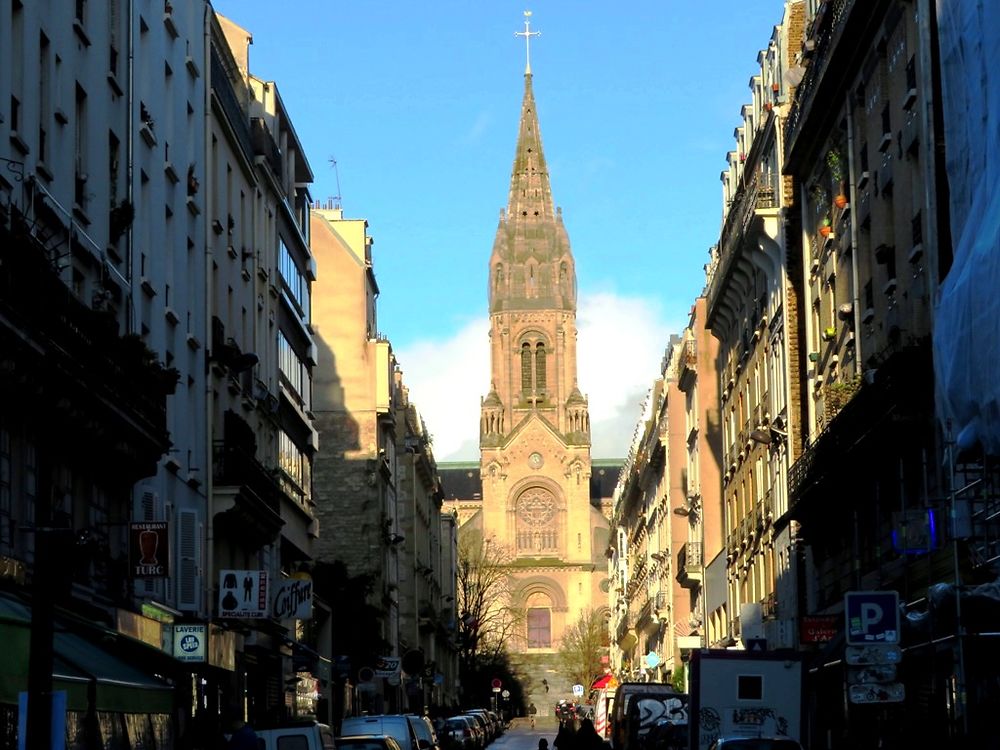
{"x":243,"y":737}
{"x":531,"y":714}
{"x":543,"y":744}
{"x":587,"y":737}
{"x":565,"y":737}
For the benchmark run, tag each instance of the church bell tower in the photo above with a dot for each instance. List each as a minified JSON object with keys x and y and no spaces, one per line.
{"x":535,"y":426}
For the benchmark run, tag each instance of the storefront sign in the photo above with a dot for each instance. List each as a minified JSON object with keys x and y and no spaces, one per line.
{"x":149,"y":549}
{"x":138,"y":627}
{"x":190,"y":642}
{"x":387,"y":666}
{"x":222,"y":649}
{"x":292,"y":599}
{"x":819,"y":628}
{"x":243,"y":593}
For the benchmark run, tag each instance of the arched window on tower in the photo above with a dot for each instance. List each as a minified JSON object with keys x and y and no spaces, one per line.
{"x":526,"y":369}
{"x":540,"y":369}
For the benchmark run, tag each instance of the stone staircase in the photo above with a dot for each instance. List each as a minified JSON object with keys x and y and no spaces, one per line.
{"x":532,"y":669}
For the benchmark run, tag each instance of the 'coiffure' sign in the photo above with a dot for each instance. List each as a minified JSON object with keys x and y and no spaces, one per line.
{"x":292,"y":599}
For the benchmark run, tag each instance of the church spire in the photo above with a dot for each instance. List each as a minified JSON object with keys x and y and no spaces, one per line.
{"x":531,"y":266}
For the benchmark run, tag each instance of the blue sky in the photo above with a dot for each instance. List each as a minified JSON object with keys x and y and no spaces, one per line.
{"x":419,"y":104}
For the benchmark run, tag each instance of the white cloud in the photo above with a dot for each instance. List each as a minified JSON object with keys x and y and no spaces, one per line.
{"x":619,"y":348}
{"x":446,"y":379}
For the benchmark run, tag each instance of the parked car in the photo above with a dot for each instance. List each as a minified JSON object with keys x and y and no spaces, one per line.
{"x":367,"y":742}
{"x":300,"y":735}
{"x":424,"y":731}
{"x":497,"y":722}
{"x":755,"y":743}
{"x":462,"y":733}
{"x":396,"y":726}
{"x":484,"y":722}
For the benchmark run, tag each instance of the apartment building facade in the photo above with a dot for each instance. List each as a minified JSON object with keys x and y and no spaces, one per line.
{"x":752,"y":310}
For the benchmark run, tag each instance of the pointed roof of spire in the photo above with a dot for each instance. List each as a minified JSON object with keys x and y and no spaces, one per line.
{"x":530,"y":192}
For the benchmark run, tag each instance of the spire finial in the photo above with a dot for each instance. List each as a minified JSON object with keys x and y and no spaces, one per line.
{"x":527,"y":34}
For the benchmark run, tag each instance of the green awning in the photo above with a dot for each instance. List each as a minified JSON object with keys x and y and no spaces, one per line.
{"x":77,"y":662}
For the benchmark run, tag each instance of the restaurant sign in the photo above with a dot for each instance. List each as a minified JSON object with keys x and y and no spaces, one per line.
{"x":149,"y":549}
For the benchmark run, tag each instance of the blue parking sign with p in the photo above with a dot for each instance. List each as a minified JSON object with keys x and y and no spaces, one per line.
{"x":872,"y":617}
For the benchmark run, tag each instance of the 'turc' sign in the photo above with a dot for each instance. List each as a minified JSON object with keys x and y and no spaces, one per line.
{"x":292,"y":599}
{"x":149,"y":549}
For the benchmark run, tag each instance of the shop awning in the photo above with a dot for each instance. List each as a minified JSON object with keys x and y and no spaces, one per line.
{"x":77,"y":664}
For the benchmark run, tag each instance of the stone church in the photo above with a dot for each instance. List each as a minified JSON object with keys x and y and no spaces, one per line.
{"x":536,"y":489}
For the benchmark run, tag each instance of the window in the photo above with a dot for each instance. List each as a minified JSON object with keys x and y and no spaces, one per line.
{"x":534,"y":378}
{"x":537,"y":519}
{"x":526,"y":368}
{"x":44,"y":96}
{"x":295,"y":282}
{"x":540,"y":368}
{"x":6,"y":510}
{"x":296,"y":468}
{"x":539,"y":628}
{"x":80,"y":149}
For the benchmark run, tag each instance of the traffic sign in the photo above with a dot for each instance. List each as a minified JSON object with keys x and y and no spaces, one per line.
{"x":877,"y":653}
{"x":505,"y":694}
{"x":497,"y":684}
{"x":578,"y":691}
{"x":872,"y":673}
{"x":892,"y":693}
{"x":872,"y":617}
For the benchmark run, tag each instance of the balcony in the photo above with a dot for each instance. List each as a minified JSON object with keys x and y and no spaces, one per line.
{"x":689,"y":365}
{"x":66,"y":365}
{"x":265,"y":148}
{"x":755,"y":194}
{"x":689,"y":565}
{"x":248,"y":496}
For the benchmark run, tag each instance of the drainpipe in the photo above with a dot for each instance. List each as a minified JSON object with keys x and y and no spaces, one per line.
{"x":207,"y":328}
{"x":854,"y":238}
{"x":130,"y":323}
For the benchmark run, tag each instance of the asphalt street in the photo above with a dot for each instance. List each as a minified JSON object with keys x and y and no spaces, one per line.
{"x":520,"y":735}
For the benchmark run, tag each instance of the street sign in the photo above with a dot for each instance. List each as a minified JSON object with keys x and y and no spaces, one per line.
{"x":872,"y":673}
{"x":877,"y":653}
{"x":894,"y":692}
{"x":578,"y":691}
{"x":496,"y":690}
{"x":872,"y":617}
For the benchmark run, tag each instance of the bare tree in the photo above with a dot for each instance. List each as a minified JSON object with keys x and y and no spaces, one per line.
{"x":583,"y":644}
{"x":489,"y":618}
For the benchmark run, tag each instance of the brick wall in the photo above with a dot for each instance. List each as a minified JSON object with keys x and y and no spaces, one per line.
{"x":347,"y":504}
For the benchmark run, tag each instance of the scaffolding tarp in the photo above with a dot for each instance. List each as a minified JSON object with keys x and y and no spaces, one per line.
{"x":967,"y":314}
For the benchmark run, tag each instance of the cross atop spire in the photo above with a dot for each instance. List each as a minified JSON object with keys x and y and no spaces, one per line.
{"x":527,"y":34}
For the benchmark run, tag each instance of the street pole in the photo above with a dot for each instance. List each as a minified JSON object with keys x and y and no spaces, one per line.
{"x":960,"y":686}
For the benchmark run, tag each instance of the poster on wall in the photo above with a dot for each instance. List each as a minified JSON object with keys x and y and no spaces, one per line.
{"x":243,"y":593}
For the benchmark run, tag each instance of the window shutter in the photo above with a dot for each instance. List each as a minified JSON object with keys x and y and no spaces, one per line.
{"x":188,"y":562}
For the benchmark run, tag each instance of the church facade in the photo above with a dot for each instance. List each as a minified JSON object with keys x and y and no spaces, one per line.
{"x":537,"y":495}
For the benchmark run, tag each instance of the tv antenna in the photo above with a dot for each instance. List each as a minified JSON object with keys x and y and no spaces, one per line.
{"x":336,"y":173}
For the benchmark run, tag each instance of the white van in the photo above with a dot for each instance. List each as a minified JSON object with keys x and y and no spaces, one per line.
{"x":303,"y":736}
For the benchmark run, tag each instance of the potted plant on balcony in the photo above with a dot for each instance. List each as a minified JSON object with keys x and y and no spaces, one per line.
{"x":826,"y":227}
{"x":835,"y":162}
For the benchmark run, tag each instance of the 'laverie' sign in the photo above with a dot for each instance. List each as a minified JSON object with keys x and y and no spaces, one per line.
{"x":292,"y":599}
{"x":189,"y":642}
